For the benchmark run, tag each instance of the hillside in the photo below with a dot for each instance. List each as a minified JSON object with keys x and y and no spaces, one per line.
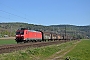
{"x":71,"y":30}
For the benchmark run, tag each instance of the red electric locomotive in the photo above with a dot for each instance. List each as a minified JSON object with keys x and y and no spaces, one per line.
{"x":25,"y":35}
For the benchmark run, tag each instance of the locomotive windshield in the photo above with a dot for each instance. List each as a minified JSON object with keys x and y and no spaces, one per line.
{"x":19,"y":32}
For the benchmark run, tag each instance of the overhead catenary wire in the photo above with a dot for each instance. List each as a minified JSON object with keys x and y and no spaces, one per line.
{"x":14,"y":14}
{"x":12,"y":8}
{"x":24,"y":17}
{"x":6,"y":18}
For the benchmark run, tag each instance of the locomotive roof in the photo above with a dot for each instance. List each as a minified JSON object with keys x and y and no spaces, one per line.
{"x":33,"y":31}
{"x":28,"y":30}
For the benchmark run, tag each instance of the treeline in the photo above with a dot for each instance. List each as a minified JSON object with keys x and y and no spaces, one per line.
{"x":68,"y":30}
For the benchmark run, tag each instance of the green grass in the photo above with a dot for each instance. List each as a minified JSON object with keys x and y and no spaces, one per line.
{"x":81,"y":51}
{"x":41,"y":53}
{"x":7,"y":41}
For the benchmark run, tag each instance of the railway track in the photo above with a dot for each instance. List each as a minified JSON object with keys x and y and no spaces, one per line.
{"x":16,"y":47}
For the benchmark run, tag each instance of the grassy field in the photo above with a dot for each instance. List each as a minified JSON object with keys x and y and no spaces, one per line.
{"x":7,"y":41}
{"x":81,"y":51}
{"x":42,"y":53}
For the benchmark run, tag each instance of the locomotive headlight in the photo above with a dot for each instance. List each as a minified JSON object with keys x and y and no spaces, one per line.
{"x":22,"y":35}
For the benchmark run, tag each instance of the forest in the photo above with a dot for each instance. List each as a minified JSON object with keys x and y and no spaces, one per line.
{"x":81,"y":32}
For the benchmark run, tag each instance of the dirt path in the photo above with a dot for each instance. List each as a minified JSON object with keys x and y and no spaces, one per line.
{"x":7,"y":38}
{"x":56,"y":56}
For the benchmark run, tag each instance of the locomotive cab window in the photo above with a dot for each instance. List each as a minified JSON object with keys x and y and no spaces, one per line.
{"x":20,"y":32}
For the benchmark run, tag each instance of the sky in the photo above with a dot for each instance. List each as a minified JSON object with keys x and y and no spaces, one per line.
{"x":46,"y":12}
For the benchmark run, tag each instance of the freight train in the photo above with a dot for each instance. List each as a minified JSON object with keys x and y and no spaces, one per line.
{"x":26,"y":35}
